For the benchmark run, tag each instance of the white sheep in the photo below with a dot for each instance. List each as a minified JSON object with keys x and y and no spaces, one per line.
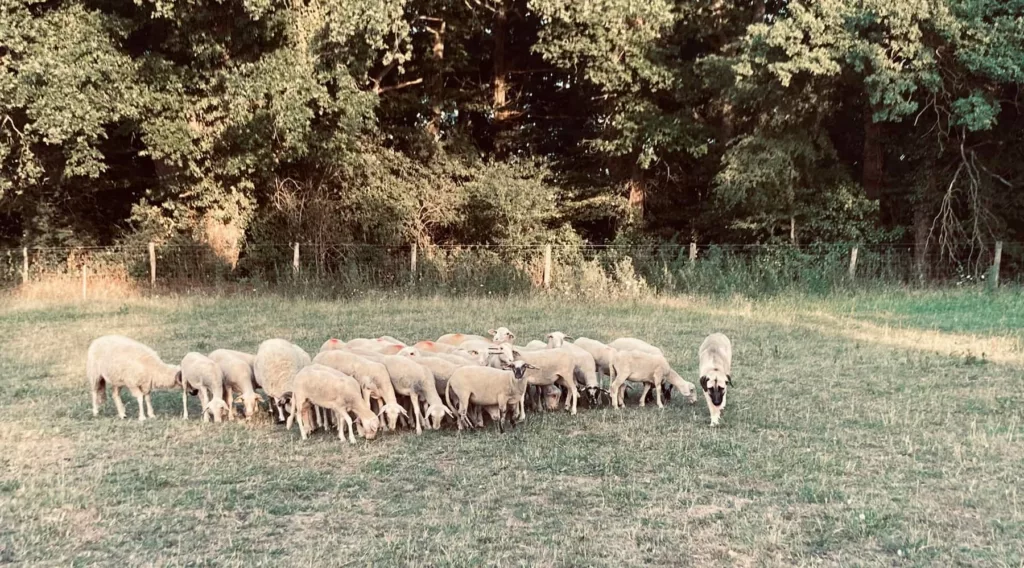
{"x":238,"y":377}
{"x":586,"y":368}
{"x":535,"y":345}
{"x":648,"y":368}
{"x":715,"y":365}
{"x":501,"y":335}
{"x":487,"y":387}
{"x":457,"y":338}
{"x":552,"y":366}
{"x":277,"y":362}
{"x":330,"y":389}
{"x":389,"y":339}
{"x":373,"y":377}
{"x":416,"y":382}
{"x":200,"y":373}
{"x":122,"y":362}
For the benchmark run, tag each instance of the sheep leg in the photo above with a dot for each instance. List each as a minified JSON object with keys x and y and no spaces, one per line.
{"x":348,"y":420}
{"x":118,"y":402}
{"x":205,"y":399}
{"x":230,"y":399}
{"x":280,"y":411}
{"x":184,"y":401}
{"x":140,"y":398}
{"x":657,"y":392}
{"x":299,"y":416}
{"x":618,"y":390}
{"x":320,"y":417}
{"x":98,"y":394}
{"x":416,"y":412}
{"x":149,"y":405}
{"x":643,"y":395}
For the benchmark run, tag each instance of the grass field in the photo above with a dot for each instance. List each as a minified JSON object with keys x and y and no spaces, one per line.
{"x":866,"y":430}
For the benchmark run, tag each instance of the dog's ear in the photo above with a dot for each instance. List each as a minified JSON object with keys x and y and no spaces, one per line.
{"x":704,"y":383}
{"x":728,"y":380}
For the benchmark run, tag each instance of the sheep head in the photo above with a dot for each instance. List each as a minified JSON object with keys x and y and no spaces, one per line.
{"x":217,"y":408}
{"x":557,"y":339}
{"x":435,"y":415}
{"x":250,"y":402}
{"x":392,"y":412}
{"x":369,"y":427}
{"x":502,"y":335}
{"x":518,"y":369}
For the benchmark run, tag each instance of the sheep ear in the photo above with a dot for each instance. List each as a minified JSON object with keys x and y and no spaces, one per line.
{"x":177,"y":378}
{"x":567,"y":338}
{"x":548,"y":336}
{"x":704,"y":383}
{"x":511,"y":336}
{"x":728,"y":380}
{"x":491,"y":332}
{"x":529,"y":366}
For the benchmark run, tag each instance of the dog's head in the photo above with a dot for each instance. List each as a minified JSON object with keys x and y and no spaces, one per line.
{"x":714,"y":383}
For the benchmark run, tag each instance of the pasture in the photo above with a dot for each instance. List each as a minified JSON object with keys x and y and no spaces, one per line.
{"x":863,"y":430}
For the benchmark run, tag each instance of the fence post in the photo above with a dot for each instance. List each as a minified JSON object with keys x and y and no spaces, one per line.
{"x":853,"y":263}
{"x":152,"y":264}
{"x":693,"y":251}
{"x":24,"y":266}
{"x":295,"y":259}
{"x":547,"y":266}
{"x":995,"y":264}
{"x":85,"y":278}
{"x":412,"y":262}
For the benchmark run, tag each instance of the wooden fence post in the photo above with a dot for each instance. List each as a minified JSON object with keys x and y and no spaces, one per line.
{"x":853,"y":263}
{"x":24,"y":267}
{"x":412,"y":262}
{"x":547,"y":266}
{"x":995,"y":264}
{"x":85,"y":279}
{"x":693,"y":251}
{"x":295,"y":259}
{"x":152,"y":264}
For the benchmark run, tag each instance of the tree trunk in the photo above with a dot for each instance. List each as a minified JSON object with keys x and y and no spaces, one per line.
{"x":437,"y":81}
{"x":873,"y":172}
{"x":500,"y":93}
{"x":922,"y":230}
{"x":637,"y":194}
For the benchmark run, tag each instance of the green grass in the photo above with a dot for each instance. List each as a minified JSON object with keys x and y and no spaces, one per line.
{"x":848,"y":440}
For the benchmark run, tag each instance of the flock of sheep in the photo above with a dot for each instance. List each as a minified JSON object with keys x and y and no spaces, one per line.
{"x":458,"y":376}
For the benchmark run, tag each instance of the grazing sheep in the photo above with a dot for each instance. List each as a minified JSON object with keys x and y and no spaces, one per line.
{"x":238,"y":376}
{"x":535,"y":345}
{"x":332,"y":344}
{"x":484,"y":386}
{"x":277,"y":362}
{"x":552,"y":366}
{"x":123,"y":362}
{"x":331,"y":389}
{"x":633,"y":344}
{"x":416,"y":382}
{"x":501,"y":335}
{"x":373,"y":378}
{"x":586,"y":368}
{"x":715,"y":360}
{"x":648,"y":368}
{"x":457,"y":338}
{"x":203,"y":374}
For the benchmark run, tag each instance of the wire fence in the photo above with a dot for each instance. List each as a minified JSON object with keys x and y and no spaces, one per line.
{"x":584,"y":269}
